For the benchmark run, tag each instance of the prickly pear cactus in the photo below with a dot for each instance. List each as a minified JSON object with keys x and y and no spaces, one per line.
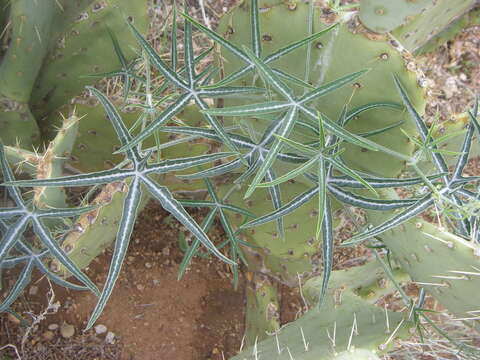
{"x":466,"y":21}
{"x":53,"y":46}
{"x":51,"y":164}
{"x":384,"y":16}
{"x":330,"y":59}
{"x":94,"y":231}
{"x":32,"y":29}
{"x":282,"y":259}
{"x":346,"y":325}
{"x":262,"y":308}
{"x":446,"y":265}
{"x":85,"y":49}
{"x":455,"y":124}
{"x":413,"y":23}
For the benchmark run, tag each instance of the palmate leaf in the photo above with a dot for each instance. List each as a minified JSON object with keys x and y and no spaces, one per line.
{"x":190,"y":90}
{"x":125,"y":228}
{"x":452,"y":181}
{"x":327,"y":249}
{"x":23,"y":280}
{"x":421,"y":127}
{"x":31,"y":259}
{"x":291,"y":107}
{"x":126,"y":72}
{"x":217,"y":207}
{"x":26,"y":216}
{"x":294,"y":106}
{"x":137,"y":175}
{"x":255,"y":156}
{"x":256,"y":49}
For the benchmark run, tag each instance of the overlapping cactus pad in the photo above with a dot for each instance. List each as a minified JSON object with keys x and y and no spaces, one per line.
{"x":85,"y":48}
{"x":331,"y":59}
{"x":444,"y":264}
{"x":413,"y":23}
{"x":346,"y":325}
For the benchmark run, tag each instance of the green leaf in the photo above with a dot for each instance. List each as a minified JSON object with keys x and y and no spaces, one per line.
{"x":287,"y":125}
{"x":284,"y":210}
{"x":125,"y":228}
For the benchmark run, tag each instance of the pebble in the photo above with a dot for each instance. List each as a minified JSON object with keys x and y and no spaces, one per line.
{"x":166,"y":251}
{"x":53,"y":327}
{"x":148,"y":265}
{"x":110,"y":338}
{"x":48,"y":335}
{"x":140,"y":287}
{"x":33,"y":290}
{"x":100,"y":329}
{"x":67,"y":330}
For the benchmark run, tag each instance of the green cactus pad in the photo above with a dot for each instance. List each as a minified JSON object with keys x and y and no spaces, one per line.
{"x":17,"y":124}
{"x":262,"y":312}
{"x":282,"y":259}
{"x":32,"y":30}
{"x":471,"y":18}
{"x":384,"y":16}
{"x":455,"y":124}
{"x":346,"y":322}
{"x":94,"y":231}
{"x":51,"y":164}
{"x":447,"y":266}
{"x":425,"y":26}
{"x":86,"y":49}
{"x":331,"y":59}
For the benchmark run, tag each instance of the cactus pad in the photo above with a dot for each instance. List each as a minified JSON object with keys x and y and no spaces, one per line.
{"x":262,"y":309}
{"x":425,"y":26}
{"x":371,"y":52}
{"x":85,"y":49}
{"x":346,"y":324}
{"x":384,"y":16}
{"x":444,"y":264}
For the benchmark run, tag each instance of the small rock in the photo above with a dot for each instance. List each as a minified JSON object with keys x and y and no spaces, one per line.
{"x":110,"y":338}
{"x":48,"y":335}
{"x":33,"y":290}
{"x":100,"y":329}
{"x":140,"y":287}
{"x":148,"y":265}
{"x":67,"y":330}
{"x":450,"y":88}
{"x":40,"y":348}
{"x":166,"y":251}
{"x":156,"y":281}
{"x":53,"y":327}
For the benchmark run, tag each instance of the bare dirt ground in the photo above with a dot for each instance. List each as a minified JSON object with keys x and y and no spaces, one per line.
{"x":152,"y":315}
